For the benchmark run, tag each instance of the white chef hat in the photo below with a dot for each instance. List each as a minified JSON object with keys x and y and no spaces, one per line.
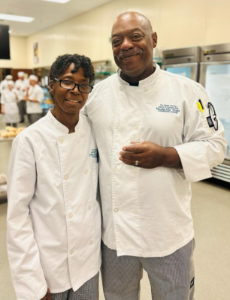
{"x":33,"y":77}
{"x":21,"y":74}
{"x":9,"y":77}
{"x":10,"y":82}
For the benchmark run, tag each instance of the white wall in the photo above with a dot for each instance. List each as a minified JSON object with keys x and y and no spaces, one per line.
{"x":178,"y":23}
{"x":18,"y":49}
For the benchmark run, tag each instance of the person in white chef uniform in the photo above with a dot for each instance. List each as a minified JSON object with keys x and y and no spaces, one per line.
{"x":54,"y":219}
{"x":34,"y":97}
{"x":155,"y":133}
{"x":9,"y":106}
{"x":3,"y":84}
{"x":21,"y":85}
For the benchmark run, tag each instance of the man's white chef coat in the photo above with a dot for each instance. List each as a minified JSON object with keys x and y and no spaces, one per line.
{"x":9,"y":99}
{"x":21,"y":86}
{"x":35,"y":93}
{"x":54,"y":220}
{"x":146,"y":212}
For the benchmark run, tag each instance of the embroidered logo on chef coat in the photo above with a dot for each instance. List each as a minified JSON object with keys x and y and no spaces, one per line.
{"x":94,"y":154}
{"x":168,"y":108}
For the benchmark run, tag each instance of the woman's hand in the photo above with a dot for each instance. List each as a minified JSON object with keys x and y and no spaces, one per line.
{"x":47,"y":296}
{"x":2,"y":109}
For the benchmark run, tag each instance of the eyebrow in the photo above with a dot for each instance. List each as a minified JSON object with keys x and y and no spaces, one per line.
{"x":68,"y":77}
{"x":132,"y":30}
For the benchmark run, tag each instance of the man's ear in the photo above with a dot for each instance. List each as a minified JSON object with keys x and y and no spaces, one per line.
{"x":154,"y":39}
{"x":51,"y":87}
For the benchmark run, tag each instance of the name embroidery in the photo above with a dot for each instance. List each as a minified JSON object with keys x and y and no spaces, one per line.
{"x":94,"y":154}
{"x":168,"y":108}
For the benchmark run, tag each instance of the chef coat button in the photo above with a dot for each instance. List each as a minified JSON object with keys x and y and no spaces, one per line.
{"x":82,"y":135}
{"x":91,"y":242}
{"x":89,"y":207}
{"x":135,"y":212}
{"x":136,"y":127}
{"x":117,"y":125}
{"x":60,"y":139}
{"x":135,"y":138}
{"x":121,"y":88}
{"x":115,"y":209}
{"x":71,"y":252}
{"x":134,"y":170}
{"x":85,"y":171}
{"x":70,"y":216}
{"x":146,"y":90}
{"x":114,"y":169}
{"x":66,"y":177}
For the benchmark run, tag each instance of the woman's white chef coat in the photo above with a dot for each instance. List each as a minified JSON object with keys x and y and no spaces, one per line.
{"x":9,"y":99}
{"x":35,"y":93}
{"x":3,"y":85}
{"x":146,"y":212}
{"x":54,"y":220}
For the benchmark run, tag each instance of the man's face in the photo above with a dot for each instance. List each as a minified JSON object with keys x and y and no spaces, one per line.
{"x":132,"y":43}
{"x":21,"y":77}
{"x":69,"y":101}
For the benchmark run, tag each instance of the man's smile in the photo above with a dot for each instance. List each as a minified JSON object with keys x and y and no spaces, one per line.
{"x":73,"y":101}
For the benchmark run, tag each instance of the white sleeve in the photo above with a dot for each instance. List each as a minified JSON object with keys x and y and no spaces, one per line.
{"x":203,"y":147}
{"x":27,"y":274}
{"x":3,"y":98}
{"x":40,"y":95}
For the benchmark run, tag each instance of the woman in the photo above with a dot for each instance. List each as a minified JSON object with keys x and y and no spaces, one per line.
{"x":9,"y":106}
{"x":54,"y":229}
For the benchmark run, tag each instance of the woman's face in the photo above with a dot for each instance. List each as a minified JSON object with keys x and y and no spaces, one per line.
{"x":69,"y":101}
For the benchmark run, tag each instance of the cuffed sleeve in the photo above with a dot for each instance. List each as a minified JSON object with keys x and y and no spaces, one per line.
{"x":3,"y":98}
{"x":203,"y":147}
{"x":27,"y":274}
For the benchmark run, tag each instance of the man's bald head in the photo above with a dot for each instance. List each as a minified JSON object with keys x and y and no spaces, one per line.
{"x":133,"y":41}
{"x":132,"y":14}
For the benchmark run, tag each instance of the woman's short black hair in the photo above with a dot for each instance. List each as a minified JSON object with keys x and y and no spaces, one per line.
{"x":80,"y":61}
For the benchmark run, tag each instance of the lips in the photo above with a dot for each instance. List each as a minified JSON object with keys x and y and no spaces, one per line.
{"x":73,"y":102}
{"x":130,"y":53}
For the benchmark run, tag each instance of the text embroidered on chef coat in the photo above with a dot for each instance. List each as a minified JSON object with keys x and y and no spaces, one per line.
{"x":94,"y":154}
{"x":168,"y":108}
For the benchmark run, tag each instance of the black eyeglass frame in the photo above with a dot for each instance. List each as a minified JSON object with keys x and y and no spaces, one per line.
{"x":75,"y":84}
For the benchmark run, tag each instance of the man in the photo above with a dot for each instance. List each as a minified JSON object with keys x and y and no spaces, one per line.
{"x":21,"y":86}
{"x":34,"y":97}
{"x":154,"y":136}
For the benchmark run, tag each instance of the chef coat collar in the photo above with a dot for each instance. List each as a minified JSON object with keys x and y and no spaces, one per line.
{"x":58,"y":125}
{"x":144,"y":82}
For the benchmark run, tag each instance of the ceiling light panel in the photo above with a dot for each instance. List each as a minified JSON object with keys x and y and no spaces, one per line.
{"x":16,"y":18}
{"x":57,"y":1}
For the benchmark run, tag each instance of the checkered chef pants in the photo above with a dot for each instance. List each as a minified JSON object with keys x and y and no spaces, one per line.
{"x":171,"y":277}
{"x":88,"y":291}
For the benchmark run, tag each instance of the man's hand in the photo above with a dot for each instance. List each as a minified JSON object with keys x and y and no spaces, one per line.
{"x":149,"y":155}
{"x":47,"y":296}
{"x":2,"y":109}
{"x":26,"y":99}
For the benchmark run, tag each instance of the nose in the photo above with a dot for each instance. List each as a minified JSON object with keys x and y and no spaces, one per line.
{"x":126,"y":44}
{"x":76,"y":90}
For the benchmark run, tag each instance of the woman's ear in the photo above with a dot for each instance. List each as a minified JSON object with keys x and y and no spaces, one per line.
{"x":51,"y":87}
